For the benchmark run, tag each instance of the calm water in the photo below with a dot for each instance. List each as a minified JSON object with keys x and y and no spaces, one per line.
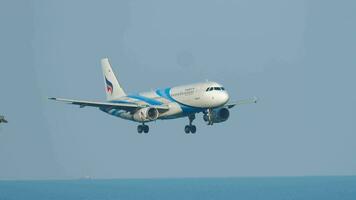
{"x":180,"y":189}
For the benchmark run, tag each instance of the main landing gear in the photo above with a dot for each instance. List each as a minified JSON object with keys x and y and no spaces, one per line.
{"x":190,"y":128}
{"x":143,"y":128}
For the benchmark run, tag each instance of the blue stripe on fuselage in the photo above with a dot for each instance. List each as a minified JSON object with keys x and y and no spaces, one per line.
{"x":165,"y":93}
{"x":146,"y":99}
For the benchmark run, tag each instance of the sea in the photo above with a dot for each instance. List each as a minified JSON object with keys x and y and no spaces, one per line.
{"x":274,"y":188}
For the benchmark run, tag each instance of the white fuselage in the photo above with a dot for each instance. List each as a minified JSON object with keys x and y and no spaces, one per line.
{"x":182,"y":100}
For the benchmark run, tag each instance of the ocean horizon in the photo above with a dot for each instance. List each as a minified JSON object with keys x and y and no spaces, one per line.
{"x":308,"y":187}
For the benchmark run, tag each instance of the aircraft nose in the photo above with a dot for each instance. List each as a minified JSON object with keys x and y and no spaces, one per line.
{"x":225,"y":97}
{"x":219,"y":98}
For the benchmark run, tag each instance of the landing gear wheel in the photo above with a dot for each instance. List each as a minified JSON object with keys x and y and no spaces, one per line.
{"x":193,"y":129}
{"x":190,"y":128}
{"x":146,"y":128}
{"x":140,"y":129}
{"x":187,"y":129}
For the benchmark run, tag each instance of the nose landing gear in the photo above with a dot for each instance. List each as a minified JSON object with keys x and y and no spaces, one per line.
{"x":208,"y":116}
{"x":190,"y":128}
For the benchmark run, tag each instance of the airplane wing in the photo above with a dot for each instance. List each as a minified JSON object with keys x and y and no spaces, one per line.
{"x":121,"y":106}
{"x":240,"y":102}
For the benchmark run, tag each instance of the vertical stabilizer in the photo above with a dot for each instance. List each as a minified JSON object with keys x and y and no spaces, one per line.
{"x":112,"y":86}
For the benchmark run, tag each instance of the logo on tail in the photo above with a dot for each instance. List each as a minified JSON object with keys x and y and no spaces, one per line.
{"x":109,"y":87}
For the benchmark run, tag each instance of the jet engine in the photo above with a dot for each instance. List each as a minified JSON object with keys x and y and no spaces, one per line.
{"x":146,"y":114}
{"x":216,"y":115}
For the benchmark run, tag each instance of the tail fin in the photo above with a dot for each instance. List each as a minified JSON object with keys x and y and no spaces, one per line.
{"x":113,"y":88}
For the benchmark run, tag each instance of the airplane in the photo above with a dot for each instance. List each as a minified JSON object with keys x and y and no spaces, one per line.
{"x":2,"y":119}
{"x":209,"y":98}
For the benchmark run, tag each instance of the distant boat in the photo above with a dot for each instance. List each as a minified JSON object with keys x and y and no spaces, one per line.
{"x":2,"y":119}
{"x":86,"y":178}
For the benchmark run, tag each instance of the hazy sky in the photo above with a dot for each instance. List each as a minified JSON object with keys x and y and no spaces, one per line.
{"x":298,"y":57}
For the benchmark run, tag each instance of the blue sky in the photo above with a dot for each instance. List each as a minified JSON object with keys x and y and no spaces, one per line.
{"x":296,"y":56}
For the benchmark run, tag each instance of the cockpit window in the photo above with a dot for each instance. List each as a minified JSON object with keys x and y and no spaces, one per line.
{"x":214,"y":88}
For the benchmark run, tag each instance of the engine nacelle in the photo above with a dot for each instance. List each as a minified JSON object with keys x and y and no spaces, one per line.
{"x":146,"y":114}
{"x":218,"y":115}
